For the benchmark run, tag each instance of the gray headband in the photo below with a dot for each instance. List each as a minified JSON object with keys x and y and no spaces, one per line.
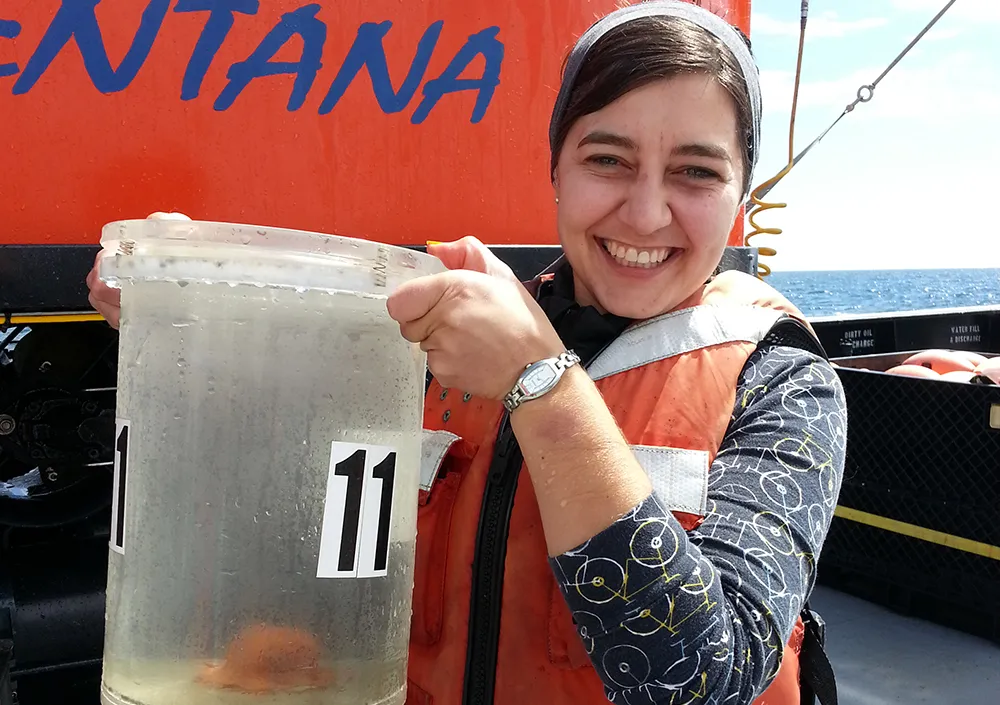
{"x":705,"y":19}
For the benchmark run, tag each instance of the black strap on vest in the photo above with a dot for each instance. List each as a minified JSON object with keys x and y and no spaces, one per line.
{"x":816,"y":678}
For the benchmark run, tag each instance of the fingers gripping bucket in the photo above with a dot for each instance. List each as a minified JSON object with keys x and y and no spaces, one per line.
{"x":267,"y":467}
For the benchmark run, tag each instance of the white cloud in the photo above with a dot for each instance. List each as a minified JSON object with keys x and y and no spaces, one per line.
{"x":885,"y":197}
{"x":825,"y":25}
{"x":941,"y":34}
{"x":957,"y":86}
{"x":978,"y":11}
{"x":908,"y":180}
{"x":848,"y":211}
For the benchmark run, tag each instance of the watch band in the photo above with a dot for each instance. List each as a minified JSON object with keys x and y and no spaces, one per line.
{"x":552,"y":368}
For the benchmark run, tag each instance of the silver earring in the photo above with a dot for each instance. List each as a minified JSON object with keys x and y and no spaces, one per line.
{"x":557,"y":199}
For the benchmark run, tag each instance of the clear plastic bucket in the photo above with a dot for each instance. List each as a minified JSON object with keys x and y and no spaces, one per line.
{"x":267,"y":467}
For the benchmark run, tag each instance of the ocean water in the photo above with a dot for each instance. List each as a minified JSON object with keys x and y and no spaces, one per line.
{"x":850,"y":292}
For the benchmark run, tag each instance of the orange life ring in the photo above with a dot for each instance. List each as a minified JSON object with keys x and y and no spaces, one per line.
{"x":973,"y":357}
{"x":959,"y":376}
{"x":941,"y":361}
{"x":913,"y":371}
{"x":990,"y":369}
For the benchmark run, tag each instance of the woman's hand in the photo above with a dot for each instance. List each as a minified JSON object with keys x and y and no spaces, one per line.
{"x":105,"y":300}
{"x":477,"y":323}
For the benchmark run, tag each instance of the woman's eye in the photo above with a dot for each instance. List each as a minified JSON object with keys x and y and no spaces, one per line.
{"x":604,"y":160}
{"x":697,"y":172}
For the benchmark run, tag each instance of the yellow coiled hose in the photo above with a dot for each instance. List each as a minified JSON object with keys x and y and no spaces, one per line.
{"x":760,"y":206}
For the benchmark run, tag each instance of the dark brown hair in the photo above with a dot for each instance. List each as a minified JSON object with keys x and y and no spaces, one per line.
{"x":648,"y":49}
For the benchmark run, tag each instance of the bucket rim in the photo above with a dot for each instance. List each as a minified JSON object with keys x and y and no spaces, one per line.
{"x":262,"y":237}
{"x":239,"y":253}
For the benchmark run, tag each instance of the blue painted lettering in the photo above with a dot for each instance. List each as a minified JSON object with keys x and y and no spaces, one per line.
{"x":302,"y":22}
{"x":9,"y":30}
{"x":368,"y":50}
{"x":222,"y":16}
{"x":77,"y":20}
{"x":485,"y":43}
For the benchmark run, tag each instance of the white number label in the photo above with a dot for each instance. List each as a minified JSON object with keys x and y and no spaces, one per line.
{"x":357,"y":517}
{"x":117,"y":542}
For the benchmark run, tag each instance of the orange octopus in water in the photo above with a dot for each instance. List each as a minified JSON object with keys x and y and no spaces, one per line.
{"x":266,"y":659}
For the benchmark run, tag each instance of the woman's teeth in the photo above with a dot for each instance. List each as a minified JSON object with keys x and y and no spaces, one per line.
{"x":629,"y":256}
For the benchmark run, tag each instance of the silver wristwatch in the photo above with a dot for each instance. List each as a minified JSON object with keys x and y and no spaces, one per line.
{"x":539,"y":378}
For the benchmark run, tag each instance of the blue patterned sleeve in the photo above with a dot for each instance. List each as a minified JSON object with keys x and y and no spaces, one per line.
{"x":710,"y":616}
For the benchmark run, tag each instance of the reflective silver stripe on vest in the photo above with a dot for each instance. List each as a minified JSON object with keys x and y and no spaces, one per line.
{"x":682,"y":332}
{"x":679,"y":477}
{"x":434,"y":447}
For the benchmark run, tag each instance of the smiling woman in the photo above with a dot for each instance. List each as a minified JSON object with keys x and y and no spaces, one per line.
{"x":682,"y":525}
{"x":642,"y":197}
{"x":646,"y":204}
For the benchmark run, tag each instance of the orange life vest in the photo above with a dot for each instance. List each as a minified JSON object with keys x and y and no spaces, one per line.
{"x":670,"y":383}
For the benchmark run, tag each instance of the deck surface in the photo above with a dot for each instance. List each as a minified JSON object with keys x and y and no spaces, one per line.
{"x":884,"y":658}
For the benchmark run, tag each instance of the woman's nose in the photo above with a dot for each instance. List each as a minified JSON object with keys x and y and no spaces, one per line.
{"x":646,"y":208}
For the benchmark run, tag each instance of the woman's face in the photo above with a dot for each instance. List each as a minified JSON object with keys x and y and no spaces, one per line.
{"x":648,"y":190}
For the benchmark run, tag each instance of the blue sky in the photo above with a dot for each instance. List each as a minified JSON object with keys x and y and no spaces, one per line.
{"x":908,"y":180}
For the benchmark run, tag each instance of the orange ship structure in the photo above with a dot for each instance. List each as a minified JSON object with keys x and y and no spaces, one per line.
{"x":399,"y":122}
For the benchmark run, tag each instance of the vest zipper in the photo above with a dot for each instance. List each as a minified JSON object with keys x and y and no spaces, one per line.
{"x":486,"y":596}
{"x":489,"y":561}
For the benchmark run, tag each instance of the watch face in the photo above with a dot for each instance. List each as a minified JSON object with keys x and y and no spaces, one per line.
{"x":537,"y":379}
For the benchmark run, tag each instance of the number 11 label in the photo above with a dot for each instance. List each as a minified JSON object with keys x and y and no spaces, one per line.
{"x":357,"y":516}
